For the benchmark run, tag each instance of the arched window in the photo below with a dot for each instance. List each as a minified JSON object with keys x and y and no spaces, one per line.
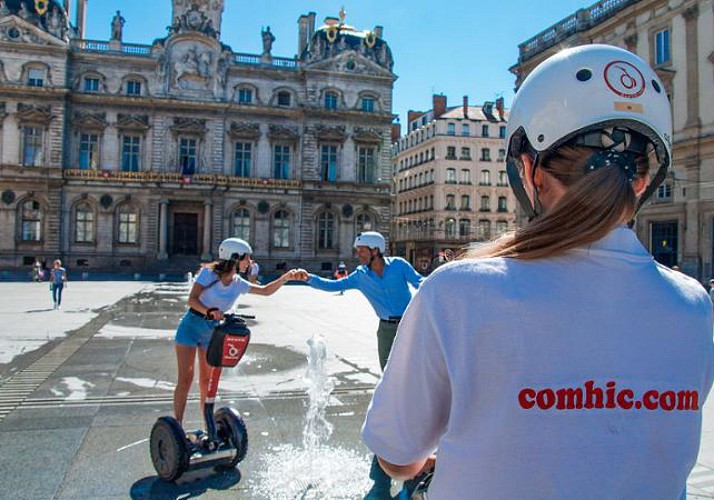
{"x":284,"y":99}
{"x":363,"y":222}
{"x":31,"y":223}
{"x":128,"y":225}
{"x":83,"y":223}
{"x":241,"y":223}
{"x":281,"y":229}
{"x":450,"y":228}
{"x":325,"y":231}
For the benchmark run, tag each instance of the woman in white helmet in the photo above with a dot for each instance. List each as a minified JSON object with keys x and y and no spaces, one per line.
{"x":217,"y":287}
{"x":562,"y":361}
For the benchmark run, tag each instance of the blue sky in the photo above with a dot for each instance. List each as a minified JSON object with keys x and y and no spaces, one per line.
{"x":455,"y":47}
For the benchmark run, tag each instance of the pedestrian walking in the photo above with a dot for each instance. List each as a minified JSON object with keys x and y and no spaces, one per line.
{"x":36,"y":271}
{"x":385,"y":282}
{"x":58,"y":282}
{"x":340,"y":273}
{"x":214,"y":292}
{"x":561,"y":361}
{"x":253,"y":272}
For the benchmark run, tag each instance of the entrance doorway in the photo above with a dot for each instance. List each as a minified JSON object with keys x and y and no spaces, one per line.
{"x":185,"y":240}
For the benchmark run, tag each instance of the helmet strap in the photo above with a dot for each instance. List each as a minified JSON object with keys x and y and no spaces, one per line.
{"x":519,"y":190}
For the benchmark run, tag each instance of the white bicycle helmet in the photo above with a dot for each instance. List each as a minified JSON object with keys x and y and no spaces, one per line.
{"x":371,"y":239}
{"x":605,"y":96}
{"x":234,"y":249}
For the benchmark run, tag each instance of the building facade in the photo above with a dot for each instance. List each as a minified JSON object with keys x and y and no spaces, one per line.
{"x":119,"y":156}
{"x":677,"y":38}
{"x":450,"y":182}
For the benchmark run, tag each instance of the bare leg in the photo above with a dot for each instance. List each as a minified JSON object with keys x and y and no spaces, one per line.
{"x":204,"y":374}
{"x":185,"y":357}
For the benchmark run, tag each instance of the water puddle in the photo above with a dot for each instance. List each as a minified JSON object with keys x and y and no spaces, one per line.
{"x":316,"y":470}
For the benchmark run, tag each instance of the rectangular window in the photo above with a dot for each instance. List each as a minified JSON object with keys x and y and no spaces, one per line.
{"x":84,"y":225}
{"x":330,"y":100}
{"x":662,"y":53}
{"x":485,"y":204}
{"x":245,"y":96}
{"x":243,"y":155}
{"x":465,"y":176}
{"x":465,"y":153}
{"x":502,"y":204}
{"x":450,"y":152}
{"x":464,"y":227}
{"x":88,"y":151}
{"x":31,"y":221}
{"x":36,"y":77}
{"x":485,"y":178}
{"x":284,"y":99}
{"x":450,"y":202}
{"x":131,"y":153}
{"x":450,"y":176}
{"x":484,"y":130}
{"x":664,"y":191}
{"x":485,"y":154}
{"x":502,"y":178}
{"x":325,"y":231}
{"x":501,"y":227}
{"x":328,"y":163}
{"x":31,"y":146}
{"x":665,"y":242}
{"x":501,"y":154}
{"x":451,"y":129}
{"x":188,"y":155}
{"x":502,"y":132}
{"x":281,"y":229}
{"x":484,"y":229}
{"x":133,"y":87}
{"x":465,"y":129}
{"x":465,"y":202}
{"x":91,"y":84}
{"x":128,"y":227}
{"x":366,"y":165}
{"x":281,"y":162}
{"x":368,"y":104}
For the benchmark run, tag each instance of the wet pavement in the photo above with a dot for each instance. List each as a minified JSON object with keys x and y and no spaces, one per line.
{"x":81,"y":387}
{"x":76,"y":414}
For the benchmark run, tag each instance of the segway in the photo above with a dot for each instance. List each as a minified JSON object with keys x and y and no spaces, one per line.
{"x":224,"y":443}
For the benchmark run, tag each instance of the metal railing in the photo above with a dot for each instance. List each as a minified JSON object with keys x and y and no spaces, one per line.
{"x":176,"y":177}
{"x":256,"y":60}
{"x":581,"y":20}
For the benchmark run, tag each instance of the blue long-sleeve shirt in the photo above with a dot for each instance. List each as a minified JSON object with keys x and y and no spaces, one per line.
{"x":389,"y":294}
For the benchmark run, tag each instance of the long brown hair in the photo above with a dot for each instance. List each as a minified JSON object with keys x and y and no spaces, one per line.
{"x":593,"y":204}
{"x":223,"y":267}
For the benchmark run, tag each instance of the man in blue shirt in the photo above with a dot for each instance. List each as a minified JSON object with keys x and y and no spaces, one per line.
{"x":384,"y":281}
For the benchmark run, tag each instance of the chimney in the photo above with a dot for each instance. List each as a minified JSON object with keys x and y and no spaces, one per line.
{"x":81,"y":17}
{"x":302,"y":34}
{"x":396,"y":131}
{"x":378,"y":30}
{"x":310,"y":28}
{"x":466,"y":106}
{"x":438,"y":105}
{"x":413,"y":115}
{"x":499,"y":107}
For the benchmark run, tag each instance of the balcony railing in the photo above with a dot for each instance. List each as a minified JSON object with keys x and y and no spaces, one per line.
{"x":133,"y":49}
{"x":581,"y":20}
{"x":175,"y":177}
{"x":276,"y":62}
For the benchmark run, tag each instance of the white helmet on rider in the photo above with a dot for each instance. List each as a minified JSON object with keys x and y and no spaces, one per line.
{"x":599,"y":96}
{"x":371,"y":239}
{"x":234,"y":249}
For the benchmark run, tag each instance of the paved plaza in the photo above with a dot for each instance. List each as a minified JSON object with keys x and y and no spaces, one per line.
{"x":81,"y":387}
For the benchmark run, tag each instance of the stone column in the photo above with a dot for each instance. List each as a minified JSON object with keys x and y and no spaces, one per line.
{"x":207,"y":230}
{"x":163,"y":229}
{"x":691,"y":16}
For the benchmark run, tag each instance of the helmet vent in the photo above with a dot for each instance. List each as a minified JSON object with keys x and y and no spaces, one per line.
{"x":656,"y":86}
{"x":541,"y":138}
{"x":584,"y":75}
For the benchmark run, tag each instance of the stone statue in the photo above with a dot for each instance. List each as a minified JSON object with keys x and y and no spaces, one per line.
{"x":54,"y":23}
{"x":117,"y":26}
{"x":268,"y":39}
{"x":24,"y":12}
{"x":4,"y":11}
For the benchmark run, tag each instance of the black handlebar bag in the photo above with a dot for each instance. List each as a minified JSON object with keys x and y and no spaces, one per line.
{"x":228,"y":343}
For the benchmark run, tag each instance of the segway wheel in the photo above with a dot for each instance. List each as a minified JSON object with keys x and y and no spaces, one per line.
{"x":231,"y":429}
{"x":169,"y":449}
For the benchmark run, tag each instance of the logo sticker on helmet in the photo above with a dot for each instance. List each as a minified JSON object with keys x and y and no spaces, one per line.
{"x":624,"y":79}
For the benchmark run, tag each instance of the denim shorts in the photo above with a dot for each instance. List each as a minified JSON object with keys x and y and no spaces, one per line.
{"x":194,"y":331}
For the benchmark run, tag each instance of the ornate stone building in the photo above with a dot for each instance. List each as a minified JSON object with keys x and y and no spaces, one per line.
{"x":677,"y":38}
{"x":119,"y":156}
{"x":450,"y":180}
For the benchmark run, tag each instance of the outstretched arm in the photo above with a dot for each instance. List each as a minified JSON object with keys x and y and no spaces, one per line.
{"x":326,"y":285}
{"x":273,"y":286}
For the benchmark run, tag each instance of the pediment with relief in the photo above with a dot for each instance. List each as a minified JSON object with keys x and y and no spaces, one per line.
{"x":327,"y":133}
{"x":133,"y":122}
{"x":97,"y":121}
{"x":15,"y":29}
{"x":283,"y":132}
{"x":350,"y":61}
{"x":367,"y":134}
{"x":189,"y":126}
{"x":243,"y":130}
{"x":31,"y":113}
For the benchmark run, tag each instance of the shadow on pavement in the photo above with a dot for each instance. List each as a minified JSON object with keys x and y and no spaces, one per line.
{"x":154,"y":488}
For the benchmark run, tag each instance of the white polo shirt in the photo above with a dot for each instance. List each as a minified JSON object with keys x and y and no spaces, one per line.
{"x":220,"y":295}
{"x":581,"y":376}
